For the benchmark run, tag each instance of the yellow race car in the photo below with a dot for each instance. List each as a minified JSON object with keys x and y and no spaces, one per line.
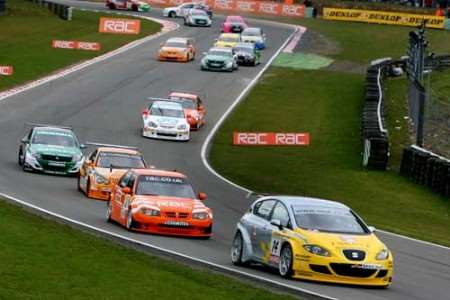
{"x":312,"y":239}
{"x":103,"y":168}
{"x":228,"y":40}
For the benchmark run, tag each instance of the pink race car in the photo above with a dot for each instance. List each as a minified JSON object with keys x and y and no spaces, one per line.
{"x":233,"y":24}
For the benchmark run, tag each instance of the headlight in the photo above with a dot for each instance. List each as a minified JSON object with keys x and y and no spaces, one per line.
{"x":33,"y":153}
{"x":383,"y":254}
{"x":317,"y":250}
{"x":100,"y":179}
{"x":182,"y":127}
{"x":200,"y":215}
{"x":150,"y":212}
{"x":229,"y":64}
{"x":77,"y":157}
{"x":152,"y":124}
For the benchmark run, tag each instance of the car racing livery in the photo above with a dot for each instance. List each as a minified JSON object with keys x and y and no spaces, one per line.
{"x":254,"y":35}
{"x":197,"y":17}
{"x":193,"y":107}
{"x":312,"y":239}
{"x":247,"y":54}
{"x":233,"y":24}
{"x":219,"y":59}
{"x":159,"y":202}
{"x":50,"y":149}
{"x":128,"y":5}
{"x":183,"y":9}
{"x":165,"y":119}
{"x":228,"y":40}
{"x":177,"y":49}
{"x":104,"y":166}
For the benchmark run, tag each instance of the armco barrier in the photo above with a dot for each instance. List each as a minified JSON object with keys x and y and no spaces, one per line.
{"x":63,"y":11}
{"x":426,"y":168}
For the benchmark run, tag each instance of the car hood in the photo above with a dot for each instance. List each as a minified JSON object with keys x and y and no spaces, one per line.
{"x":244,"y":53}
{"x":165,"y":203}
{"x":218,"y":58}
{"x":114,"y":174}
{"x":251,"y":38}
{"x":167,"y":121}
{"x":172,"y":49}
{"x":234,"y":24}
{"x":55,"y":150}
{"x":198,"y":17}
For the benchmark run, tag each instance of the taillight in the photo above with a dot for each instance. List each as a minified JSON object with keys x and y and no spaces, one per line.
{"x":145,"y":113}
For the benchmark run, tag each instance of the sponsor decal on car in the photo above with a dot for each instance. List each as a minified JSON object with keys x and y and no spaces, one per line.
{"x":89,"y":46}
{"x":119,"y":26}
{"x":6,"y":70}
{"x":270,"y":139}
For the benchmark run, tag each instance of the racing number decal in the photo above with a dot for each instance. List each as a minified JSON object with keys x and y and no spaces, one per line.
{"x":124,"y":208}
{"x":275,"y":246}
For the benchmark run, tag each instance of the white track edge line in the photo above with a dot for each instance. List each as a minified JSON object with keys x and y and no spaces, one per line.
{"x":212,"y":133}
{"x":166,"y":27}
{"x":141,"y":243}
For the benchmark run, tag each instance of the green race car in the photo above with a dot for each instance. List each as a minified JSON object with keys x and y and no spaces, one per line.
{"x":50,"y":149}
{"x":219,"y":59}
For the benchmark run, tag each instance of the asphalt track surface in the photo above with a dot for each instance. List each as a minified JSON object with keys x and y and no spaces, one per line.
{"x":103,"y":103}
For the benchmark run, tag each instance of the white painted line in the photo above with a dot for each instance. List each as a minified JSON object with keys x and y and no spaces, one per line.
{"x":294,"y":41}
{"x":141,"y":243}
{"x":212,"y":133}
{"x":167,"y":26}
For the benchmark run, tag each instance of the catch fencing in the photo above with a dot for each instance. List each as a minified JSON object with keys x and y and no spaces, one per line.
{"x":426,"y":168}
{"x":61,"y":10}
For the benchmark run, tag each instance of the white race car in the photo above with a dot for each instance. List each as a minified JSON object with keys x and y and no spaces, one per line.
{"x":165,"y":119}
{"x":182,"y":10}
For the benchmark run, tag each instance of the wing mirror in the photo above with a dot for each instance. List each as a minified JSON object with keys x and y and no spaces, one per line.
{"x":372,"y":229}
{"x":276,"y":223}
{"x":24,"y":140}
{"x":126,"y":190}
{"x":202,"y":196}
{"x":82,"y":146}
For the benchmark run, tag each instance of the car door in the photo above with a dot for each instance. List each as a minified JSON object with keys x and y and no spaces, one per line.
{"x":127,"y":197}
{"x":274,"y":241}
{"x":262,"y":228}
{"x":87,"y":168}
{"x":201,"y":111}
{"x":119,"y":197}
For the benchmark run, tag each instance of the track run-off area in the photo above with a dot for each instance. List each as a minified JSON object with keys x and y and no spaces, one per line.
{"x":103,"y":103}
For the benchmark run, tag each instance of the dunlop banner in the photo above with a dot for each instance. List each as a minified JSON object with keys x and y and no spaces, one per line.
{"x":381,"y":17}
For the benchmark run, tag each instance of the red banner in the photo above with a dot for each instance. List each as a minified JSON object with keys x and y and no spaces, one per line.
{"x":271,"y":138}
{"x":6,"y":70}
{"x":120,"y":26}
{"x":76,"y":45}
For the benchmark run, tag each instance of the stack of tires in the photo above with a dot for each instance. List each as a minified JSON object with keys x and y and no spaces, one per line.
{"x":426,"y":169}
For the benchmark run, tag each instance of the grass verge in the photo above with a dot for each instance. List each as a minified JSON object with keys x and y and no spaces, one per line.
{"x":27,"y":31}
{"x":328,"y":105}
{"x":42,"y":259}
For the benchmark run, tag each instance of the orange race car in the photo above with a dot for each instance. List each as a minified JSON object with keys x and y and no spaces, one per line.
{"x":193,"y":107}
{"x":104,"y":166}
{"x":177,"y":49}
{"x":159,"y":202}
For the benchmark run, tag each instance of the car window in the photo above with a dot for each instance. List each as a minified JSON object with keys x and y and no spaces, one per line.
{"x":264,"y":209}
{"x":281,"y":213}
{"x":93,"y":155}
{"x":124,"y":180}
{"x":131,"y":181}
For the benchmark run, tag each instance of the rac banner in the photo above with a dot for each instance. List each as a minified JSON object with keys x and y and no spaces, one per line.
{"x":6,"y":70}
{"x":251,"y":6}
{"x":270,"y":139}
{"x":76,"y":45}
{"x":382,"y":17}
{"x":119,"y":26}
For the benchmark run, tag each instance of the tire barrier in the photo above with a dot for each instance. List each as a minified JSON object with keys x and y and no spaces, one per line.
{"x":61,"y":10}
{"x":426,"y":168}
{"x":374,"y":135}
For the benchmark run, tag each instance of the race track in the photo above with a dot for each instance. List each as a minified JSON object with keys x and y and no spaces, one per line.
{"x":103,"y":103}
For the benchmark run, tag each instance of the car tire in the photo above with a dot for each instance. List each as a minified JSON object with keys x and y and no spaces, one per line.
{"x":78,"y":183}
{"x":20,"y":159}
{"x":88,"y":188}
{"x":112,"y":6}
{"x":134,"y":8}
{"x":109,"y":211}
{"x":237,"y":249}
{"x":172,"y":14}
{"x":286,"y":260}
{"x":130,"y":223}
{"x":24,"y":165}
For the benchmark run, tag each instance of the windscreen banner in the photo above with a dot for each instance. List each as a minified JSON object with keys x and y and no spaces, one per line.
{"x":382,"y":17}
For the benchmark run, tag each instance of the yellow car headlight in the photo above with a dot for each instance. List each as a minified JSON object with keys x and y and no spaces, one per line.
{"x":317,"y":250}
{"x":382,"y":255}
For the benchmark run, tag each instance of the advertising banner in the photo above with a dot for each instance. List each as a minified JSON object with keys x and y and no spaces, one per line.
{"x":119,"y":26}
{"x":76,"y":45}
{"x":6,"y":70}
{"x":270,"y":139}
{"x":381,"y":17}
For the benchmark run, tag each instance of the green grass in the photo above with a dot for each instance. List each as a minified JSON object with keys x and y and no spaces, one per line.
{"x":328,"y":106}
{"x":42,"y":259}
{"x":440,"y":84}
{"x":26,"y":33}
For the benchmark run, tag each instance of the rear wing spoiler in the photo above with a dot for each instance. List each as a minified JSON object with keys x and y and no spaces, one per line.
{"x":153,"y":99}
{"x":201,"y":95}
{"x":111,"y":145}
{"x":47,"y":125}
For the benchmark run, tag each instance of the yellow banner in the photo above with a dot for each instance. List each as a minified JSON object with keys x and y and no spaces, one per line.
{"x":382,"y":17}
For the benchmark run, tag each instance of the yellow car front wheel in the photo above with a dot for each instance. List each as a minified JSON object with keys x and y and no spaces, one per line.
{"x":285,"y":263}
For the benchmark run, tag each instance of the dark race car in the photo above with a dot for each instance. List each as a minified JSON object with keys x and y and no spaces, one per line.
{"x":247,"y":54}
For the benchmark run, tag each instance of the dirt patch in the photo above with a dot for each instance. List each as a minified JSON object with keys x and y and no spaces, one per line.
{"x":314,"y":42}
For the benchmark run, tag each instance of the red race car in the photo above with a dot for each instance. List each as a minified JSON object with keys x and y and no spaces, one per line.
{"x":193,"y":107}
{"x":159,"y":202}
{"x":233,"y":24}
{"x":133,"y":5}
